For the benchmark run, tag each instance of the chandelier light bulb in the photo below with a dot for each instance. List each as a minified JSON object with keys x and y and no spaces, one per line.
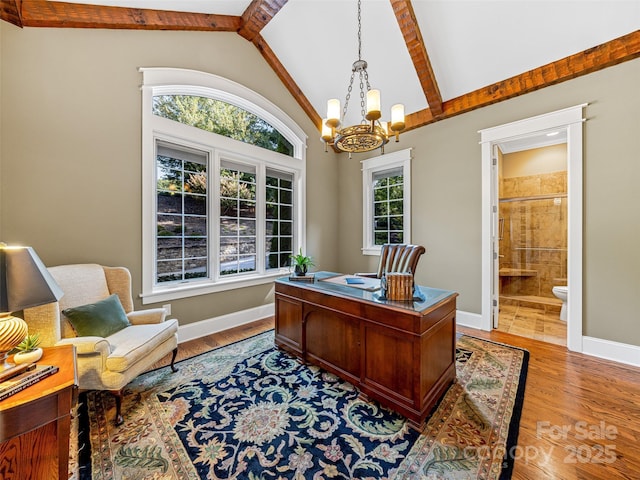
{"x":327,"y":133}
{"x":333,"y":113}
{"x":397,"y":117}
{"x":373,"y":105}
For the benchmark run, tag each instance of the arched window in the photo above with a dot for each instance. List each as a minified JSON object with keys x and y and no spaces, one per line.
{"x":222,"y":118}
{"x":223,"y":185}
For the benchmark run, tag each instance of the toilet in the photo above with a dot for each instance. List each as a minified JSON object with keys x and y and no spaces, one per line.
{"x":562,"y":292}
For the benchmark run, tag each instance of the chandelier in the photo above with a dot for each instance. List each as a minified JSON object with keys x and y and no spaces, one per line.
{"x":370,"y":133}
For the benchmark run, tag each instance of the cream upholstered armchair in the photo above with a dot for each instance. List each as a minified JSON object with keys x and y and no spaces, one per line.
{"x":396,"y":257}
{"x":104,"y":362}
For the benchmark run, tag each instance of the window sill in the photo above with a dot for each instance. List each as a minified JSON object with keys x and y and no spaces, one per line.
{"x":185,"y":291}
{"x":371,"y":250}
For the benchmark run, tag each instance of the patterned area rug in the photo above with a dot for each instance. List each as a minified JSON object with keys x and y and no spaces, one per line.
{"x":250,"y":411}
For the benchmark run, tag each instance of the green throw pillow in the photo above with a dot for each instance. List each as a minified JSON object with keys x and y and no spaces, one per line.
{"x":99,"y":319}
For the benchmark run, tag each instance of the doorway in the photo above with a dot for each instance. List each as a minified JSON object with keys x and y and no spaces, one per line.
{"x":532,"y":237}
{"x":567,"y":122}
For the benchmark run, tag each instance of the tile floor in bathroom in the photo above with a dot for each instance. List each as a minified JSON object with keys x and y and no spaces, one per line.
{"x":529,"y":320}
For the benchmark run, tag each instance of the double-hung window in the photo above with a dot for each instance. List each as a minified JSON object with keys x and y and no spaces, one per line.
{"x":223,"y":186}
{"x":386,"y":186}
{"x":182,"y":243}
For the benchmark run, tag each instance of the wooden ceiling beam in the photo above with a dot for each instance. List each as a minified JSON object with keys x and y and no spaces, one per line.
{"x":286,"y":79}
{"x":588,"y":61}
{"x":413,"y":38}
{"x":42,"y":13}
{"x":10,"y":11}
{"x":257,"y":15}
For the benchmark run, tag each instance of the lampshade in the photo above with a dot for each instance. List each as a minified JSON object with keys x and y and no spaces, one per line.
{"x":333,"y":113}
{"x":326,"y":130}
{"x":24,"y":283}
{"x":24,"y":280}
{"x":373,"y":105}
{"x":397,"y":117}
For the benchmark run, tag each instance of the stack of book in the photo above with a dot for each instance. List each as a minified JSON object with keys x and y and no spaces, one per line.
{"x":308,"y":277}
{"x":27,"y":376}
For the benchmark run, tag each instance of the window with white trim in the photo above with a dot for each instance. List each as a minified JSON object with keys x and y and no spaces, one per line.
{"x":223,"y":199}
{"x":386,"y":186}
{"x":182,"y":243}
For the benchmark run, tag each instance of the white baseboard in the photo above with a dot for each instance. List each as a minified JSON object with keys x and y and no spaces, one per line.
{"x":471,"y":320}
{"x":608,"y":350}
{"x":199,"y":329}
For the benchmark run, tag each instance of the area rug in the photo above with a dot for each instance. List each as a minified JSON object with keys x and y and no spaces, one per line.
{"x":250,"y":411}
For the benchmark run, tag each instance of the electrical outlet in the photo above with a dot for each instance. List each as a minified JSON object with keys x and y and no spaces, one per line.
{"x":167,"y":307}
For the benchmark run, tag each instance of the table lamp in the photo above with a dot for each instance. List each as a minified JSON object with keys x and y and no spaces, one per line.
{"x":24,"y":283}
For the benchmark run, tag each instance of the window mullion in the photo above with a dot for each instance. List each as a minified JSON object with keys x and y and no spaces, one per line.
{"x":214,"y":208}
{"x":261,"y":214}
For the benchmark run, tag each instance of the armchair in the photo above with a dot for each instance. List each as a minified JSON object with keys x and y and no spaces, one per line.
{"x":395,"y":257}
{"x":111,"y":362}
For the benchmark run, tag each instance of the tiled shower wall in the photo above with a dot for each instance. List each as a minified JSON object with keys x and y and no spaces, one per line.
{"x":533,"y":234}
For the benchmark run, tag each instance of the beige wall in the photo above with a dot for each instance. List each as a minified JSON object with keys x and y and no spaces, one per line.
{"x":1,"y":169}
{"x":71,"y":146}
{"x":70,"y":167}
{"x":446,"y":197}
{"x":534,"y":161}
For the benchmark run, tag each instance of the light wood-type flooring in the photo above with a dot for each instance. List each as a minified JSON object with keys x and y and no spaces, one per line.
{"x":580,"y":418}
{"x":528,"y":321}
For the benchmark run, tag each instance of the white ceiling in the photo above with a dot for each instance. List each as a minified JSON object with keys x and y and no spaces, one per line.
{"x":471,"y":43}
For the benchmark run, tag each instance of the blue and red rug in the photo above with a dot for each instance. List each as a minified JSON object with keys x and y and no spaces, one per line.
{"x":250,"y":411}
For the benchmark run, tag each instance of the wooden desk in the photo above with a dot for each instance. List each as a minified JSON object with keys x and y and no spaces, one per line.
{"x":401,"y":354}
{"x":35,"y":423}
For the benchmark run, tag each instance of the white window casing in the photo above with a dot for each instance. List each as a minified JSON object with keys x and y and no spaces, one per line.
{"x":157,"y":130}
{"x":370,"y":167}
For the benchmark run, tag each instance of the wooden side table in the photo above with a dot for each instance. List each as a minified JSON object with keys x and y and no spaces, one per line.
{"x":35,"y":423}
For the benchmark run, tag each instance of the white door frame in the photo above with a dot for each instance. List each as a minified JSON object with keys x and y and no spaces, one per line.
{"x":569,"y":119}
{"x":495,"y":236}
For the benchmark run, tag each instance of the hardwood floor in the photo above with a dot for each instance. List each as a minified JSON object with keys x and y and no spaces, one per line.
{"x":580,"y":417}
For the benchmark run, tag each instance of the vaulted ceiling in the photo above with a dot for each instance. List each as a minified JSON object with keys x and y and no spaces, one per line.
{"x":438,"y":57}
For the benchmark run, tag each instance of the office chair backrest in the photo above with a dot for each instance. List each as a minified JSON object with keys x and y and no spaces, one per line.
{"x":399,"y":258}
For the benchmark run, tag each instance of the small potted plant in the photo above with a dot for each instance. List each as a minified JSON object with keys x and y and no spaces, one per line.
{"x":28,"y":350}
{"x":301,"y":263}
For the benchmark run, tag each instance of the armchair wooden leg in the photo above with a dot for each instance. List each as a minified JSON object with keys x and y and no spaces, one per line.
{"x":173,"y":360}
{"x":118,"y":396}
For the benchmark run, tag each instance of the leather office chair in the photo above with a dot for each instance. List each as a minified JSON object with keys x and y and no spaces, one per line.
{"x":105,"y":363}
{"x":397,"y":257}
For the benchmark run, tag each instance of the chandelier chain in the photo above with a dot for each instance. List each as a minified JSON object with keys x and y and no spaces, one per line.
{"x":353,"y":72}
{"x":359,"y":32}
{"x":346,"y":101}
{"x":363,"y":107}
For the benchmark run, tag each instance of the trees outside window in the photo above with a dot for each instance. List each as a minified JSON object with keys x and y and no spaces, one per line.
{"x":388,"y":207}
{"x":181,"y":215}
{"x":222,"y":118}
